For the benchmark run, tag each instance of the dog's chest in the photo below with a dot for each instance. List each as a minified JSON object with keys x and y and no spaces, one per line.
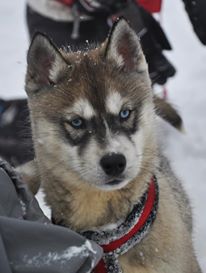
{"x":127,"y":235}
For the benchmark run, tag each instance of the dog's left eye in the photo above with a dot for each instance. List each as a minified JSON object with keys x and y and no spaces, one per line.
{"x":124,"y":114}
{"x":77,"y":123}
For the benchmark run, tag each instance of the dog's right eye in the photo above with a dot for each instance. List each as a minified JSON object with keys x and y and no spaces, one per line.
{"x":77,"y":123}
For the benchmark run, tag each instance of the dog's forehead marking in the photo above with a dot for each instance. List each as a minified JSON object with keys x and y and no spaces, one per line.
{"x":114,"y":102}
{"x":83,"y":108}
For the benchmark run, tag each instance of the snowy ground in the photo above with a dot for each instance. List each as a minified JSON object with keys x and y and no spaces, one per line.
{"x":187,"y":90}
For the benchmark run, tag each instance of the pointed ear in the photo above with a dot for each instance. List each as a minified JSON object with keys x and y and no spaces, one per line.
{"x":45,"y":64}
{"x":124,"y":48}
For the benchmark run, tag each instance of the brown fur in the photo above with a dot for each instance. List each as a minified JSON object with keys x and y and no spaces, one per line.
{"x":168,"y":247}
{"x":166,"y":111}
{"x":28,"y":172}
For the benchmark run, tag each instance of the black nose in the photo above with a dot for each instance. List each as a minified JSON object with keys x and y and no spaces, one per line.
{"x":113,"y":164}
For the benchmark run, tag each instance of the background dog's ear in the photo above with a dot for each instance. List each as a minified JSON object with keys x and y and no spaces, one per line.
{"x":166,"y":111}
{"x":28,"y":172}
{"x":124,"y":48}
{"x":45,"y":64}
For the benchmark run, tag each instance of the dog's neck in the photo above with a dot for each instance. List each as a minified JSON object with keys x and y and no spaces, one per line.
{"x":87,"y":207}
{"x":137,"y":217}
{"x":131,"y":231}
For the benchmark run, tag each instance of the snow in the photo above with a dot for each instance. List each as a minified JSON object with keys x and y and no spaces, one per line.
{"x":59,"y":257}
{"x":187,"y":90}
{"x":12,"y":49}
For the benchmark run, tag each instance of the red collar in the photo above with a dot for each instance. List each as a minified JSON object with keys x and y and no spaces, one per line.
{"x":145,"y":217}
{"x":128,"y":234}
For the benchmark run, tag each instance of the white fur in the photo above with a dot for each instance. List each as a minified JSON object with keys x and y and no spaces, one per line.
{"x":114,"y":102}
{"x":83,"y":108}
{"x":58,"y":66}
{"x":109,"y":226}
{"x":122,"y":28}
{"x":118,"y":58}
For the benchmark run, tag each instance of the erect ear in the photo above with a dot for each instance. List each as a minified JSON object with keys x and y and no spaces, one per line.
{"x":45,"y":64}
{"x":124,"y":48}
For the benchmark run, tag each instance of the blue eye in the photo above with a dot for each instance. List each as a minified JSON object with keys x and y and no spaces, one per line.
{"x":124,"y":114}
{"x":77,"y":123}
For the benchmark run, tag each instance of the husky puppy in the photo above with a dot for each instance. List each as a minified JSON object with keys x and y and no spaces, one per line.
{"x":93,"y":124}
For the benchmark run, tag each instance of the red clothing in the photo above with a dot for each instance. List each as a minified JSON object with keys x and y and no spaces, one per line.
{"x":67,"y":2}
{"x":149,"y":5}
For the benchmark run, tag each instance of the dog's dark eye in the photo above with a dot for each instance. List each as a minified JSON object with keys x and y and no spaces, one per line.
{"x":77,"y":123}
{"x":124,"y":114}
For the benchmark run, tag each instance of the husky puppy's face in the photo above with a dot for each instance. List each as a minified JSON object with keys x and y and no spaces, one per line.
{"x":91,"y":112}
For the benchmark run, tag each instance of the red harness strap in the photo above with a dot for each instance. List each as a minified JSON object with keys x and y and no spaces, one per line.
{"x":100,"y":268}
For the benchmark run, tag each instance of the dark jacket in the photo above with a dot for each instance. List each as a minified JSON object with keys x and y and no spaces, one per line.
{"x":29,"y":242}
{"x":196,"y":10}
